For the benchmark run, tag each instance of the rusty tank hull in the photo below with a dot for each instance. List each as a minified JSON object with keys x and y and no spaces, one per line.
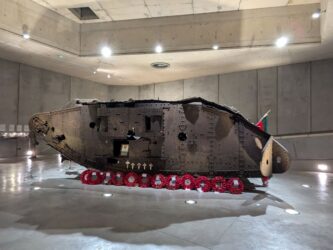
{"x":192,"y":136}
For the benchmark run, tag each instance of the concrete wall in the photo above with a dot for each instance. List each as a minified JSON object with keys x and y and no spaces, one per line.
{"x":25,"y":90}
{"x":299,"y":97}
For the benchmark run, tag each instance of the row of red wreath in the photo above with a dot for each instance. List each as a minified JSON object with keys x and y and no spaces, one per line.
{"x":202,"y":183}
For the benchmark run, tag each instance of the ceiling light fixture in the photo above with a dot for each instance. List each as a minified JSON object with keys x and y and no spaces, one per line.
{"x":94,"y":72}
{"x":316,"y":14}
{"x":109,"y":76}
{"x":107,"y":195}
{"x":215,"y":47}
{"x":281,"y":42}
{"x":322,"y":167}
{"x":26,"y":35}
{"x":106,"y":51}
{"x":306,"y":185}
{"x":160,"y":65}
{"x":158,"y":48}
{"x":104,"y":70}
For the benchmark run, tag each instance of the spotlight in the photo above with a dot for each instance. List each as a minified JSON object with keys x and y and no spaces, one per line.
{"x":26,"y":35}
{"x":107,"y":195}
{"x":215,"y":47}
{"x":281,"y":42}
{"x":94,"y":72}
{"x":316,"y":14}
{"x":158,"y":48}
{"x":36,"y":188}
{"x":291,"y":211}
{"x":190,"y":202}
{"x":30,"y":153}
{"x":306,"y":185}
{"x":322,"y":167}
{"x":106,"y":51}
{"x":109,"y":76}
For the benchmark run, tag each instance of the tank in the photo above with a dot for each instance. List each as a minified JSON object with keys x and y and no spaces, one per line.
{"x":192,"y":143}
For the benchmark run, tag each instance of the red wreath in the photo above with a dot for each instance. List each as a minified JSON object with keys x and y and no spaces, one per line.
{"x":131,"y":179}
{"x":158,"y":181}
{"x":188,"y":181}
{"x":202,"y":183}
{"x":173,"y":182}
{"x":235,"y":189}
{"x":83,"y":176}
{"x":118,"y":178}
{"x":95,"y":177}
{"x":108,"y":177}
{"x":219,"y":184}
{"x":144,"y":180}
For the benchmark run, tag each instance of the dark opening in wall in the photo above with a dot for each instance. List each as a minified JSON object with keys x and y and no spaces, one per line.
{"x":84,"y":13}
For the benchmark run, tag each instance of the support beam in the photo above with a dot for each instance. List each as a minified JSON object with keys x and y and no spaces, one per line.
{"x":233,"y":29}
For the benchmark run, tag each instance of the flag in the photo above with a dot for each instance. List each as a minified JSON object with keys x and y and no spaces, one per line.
{"x":263,"y":122}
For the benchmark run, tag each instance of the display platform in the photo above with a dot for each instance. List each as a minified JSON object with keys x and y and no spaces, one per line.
{"x":43,"y":205}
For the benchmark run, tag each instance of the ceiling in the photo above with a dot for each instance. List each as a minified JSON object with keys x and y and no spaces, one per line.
{"x":114,"y":10}
{"x":134,"y":68}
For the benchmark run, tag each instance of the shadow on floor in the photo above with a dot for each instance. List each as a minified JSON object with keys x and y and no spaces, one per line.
{"x":65,"y":204}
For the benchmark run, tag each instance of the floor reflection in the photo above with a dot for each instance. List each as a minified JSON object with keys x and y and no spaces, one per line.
{"x":44,"y":195}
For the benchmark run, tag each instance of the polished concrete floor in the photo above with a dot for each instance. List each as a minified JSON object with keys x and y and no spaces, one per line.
{"x":43,"y":206}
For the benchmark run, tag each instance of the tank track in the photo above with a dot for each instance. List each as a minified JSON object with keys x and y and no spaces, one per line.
{"x":220,"y":184}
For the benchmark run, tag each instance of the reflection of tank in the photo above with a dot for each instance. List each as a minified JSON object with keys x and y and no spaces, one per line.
{"x":131,"y":141}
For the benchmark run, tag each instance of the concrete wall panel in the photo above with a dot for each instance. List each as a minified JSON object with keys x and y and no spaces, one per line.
{"x":240,"y":91}
{"x":7,"y":148}
{"x":124,"y":93}
{"x":170,"y":91}
{"x":30,"y":93}
{"x":294,"y":98}
{"x":321,"y":95}
{"x":310,"y":148}
{"x":84,"y":89}
{"x":9,"y":79}
{"x":55,"y":90}
{"x":205,"y":87}
{"x":267,"y":96}
{"x":147,"y":92}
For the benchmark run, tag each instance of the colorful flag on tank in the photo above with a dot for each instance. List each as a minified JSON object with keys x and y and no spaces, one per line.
{"x":263,"y":122}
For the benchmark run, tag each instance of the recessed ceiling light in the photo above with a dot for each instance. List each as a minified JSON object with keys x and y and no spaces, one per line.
{"x":106,"y":51}
{"x":291,"y":211}
{"x":109,"y":76}
{"x":281,"y":42}
{"x":316,"y":14}
{"x":191,"y":202}
{"x":94,"y":72}
{"x":216,"y":47}
{"x":322,"y":167}
{"x":107,"y":195}
{"x":158,"y":48}
{"x":305,"y":185}
{"x":26,"y":35}
{"x":160,"y":65}
{"x":36,"y":188}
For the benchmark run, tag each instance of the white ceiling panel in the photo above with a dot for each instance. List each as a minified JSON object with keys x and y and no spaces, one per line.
{"x":174,"y":10}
